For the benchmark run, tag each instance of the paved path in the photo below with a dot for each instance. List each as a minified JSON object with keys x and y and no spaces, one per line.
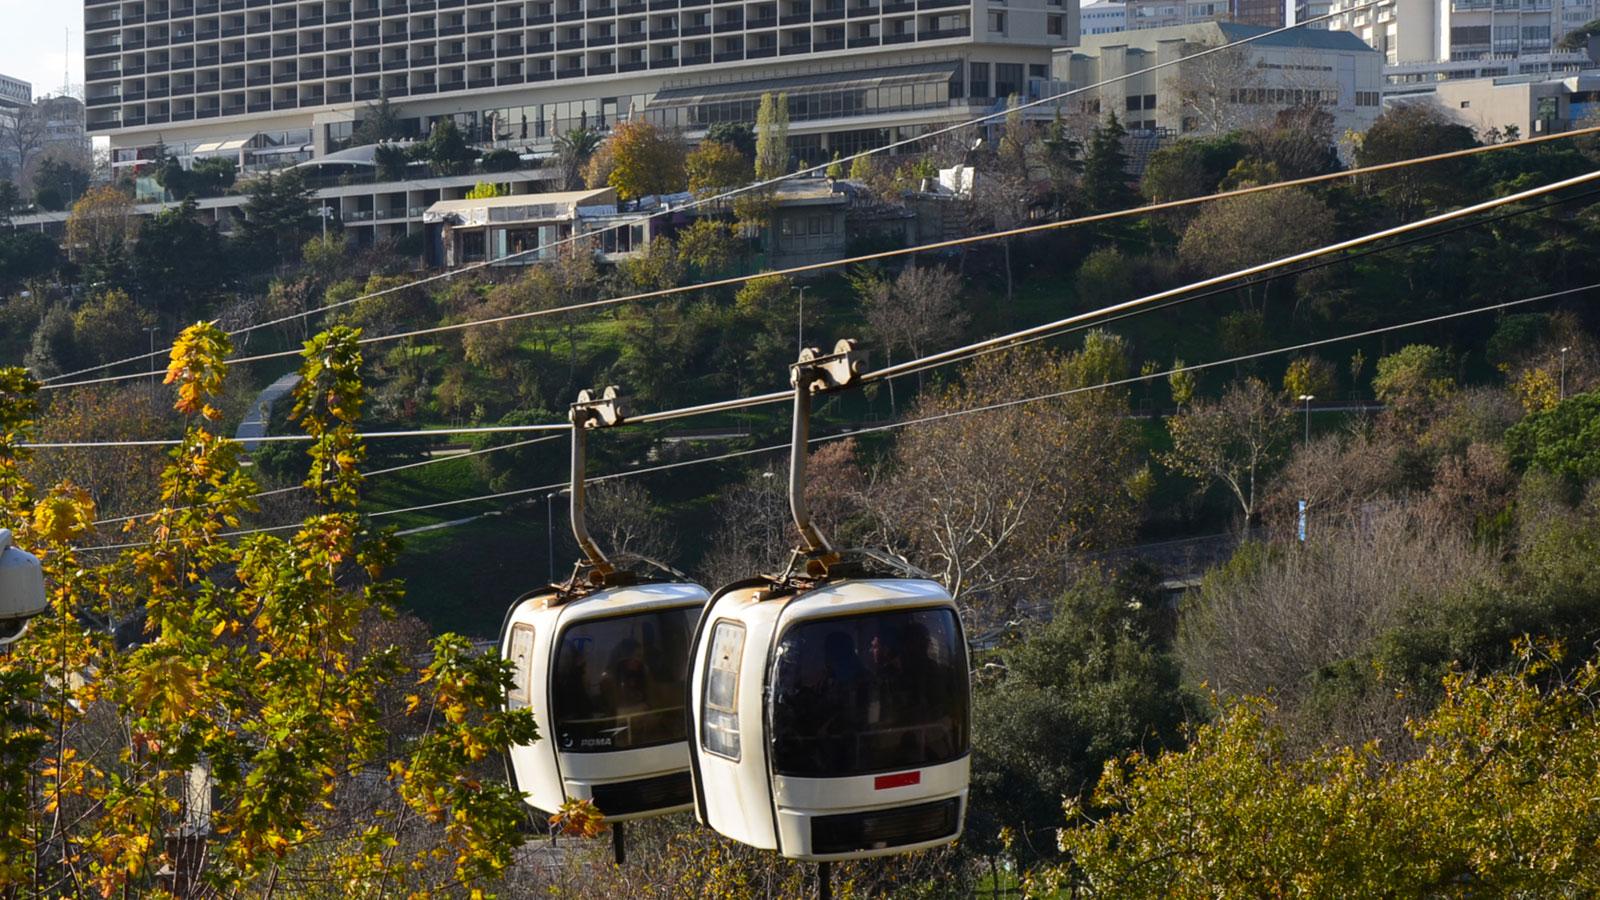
{"x":255,"y":421}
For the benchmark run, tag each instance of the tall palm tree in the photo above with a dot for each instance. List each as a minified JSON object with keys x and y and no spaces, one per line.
{"x":573,"y":150}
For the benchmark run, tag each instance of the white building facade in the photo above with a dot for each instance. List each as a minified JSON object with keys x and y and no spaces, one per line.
{"x":1332,"y":72}
{"x":1434,"y":40}
{"x":1102,"y":17}
{"x":290,"y":77}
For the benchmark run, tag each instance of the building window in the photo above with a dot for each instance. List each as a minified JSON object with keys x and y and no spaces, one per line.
{"x":997,"y":22}
{"x":1466,"y":104}
{"x":979,"y":79}
{"x":1007,"y":79}
{"x":1053,"y":25}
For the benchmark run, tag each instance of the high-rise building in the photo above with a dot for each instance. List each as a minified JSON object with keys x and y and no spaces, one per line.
{"x":282,"y":81}
{"x":14,"y":92}
{"x":1433,"y":40}
{"x":1167,"y":13}
{"x":1102,"y":17}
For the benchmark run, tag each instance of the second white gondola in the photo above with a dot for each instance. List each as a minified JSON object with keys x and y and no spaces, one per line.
{"x":601,"y":660}
{"x":831,"y":702}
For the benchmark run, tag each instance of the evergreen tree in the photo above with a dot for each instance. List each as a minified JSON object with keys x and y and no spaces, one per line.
{"x":177,"y":260}
{"x":772,"y":137}
{"x":1105,"y":169}
{"x":279,"y":218}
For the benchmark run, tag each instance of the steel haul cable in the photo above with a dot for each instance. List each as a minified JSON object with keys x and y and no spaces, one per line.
{"x":1054,"y":395}
{"x":760,"y":185}
{"x":1212,"y":292}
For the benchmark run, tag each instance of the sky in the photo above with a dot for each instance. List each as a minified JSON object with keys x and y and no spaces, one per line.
{"x":31,"y":41}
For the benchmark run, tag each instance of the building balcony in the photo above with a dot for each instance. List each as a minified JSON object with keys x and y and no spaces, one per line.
{"x":940,"y":33}
{"x":905,"y":38}
{"x":758,"y":24}
{"x":698,"y":60}
{"x":825,"y":46}
{"x":729,"y":56}
{"x":695,"y":30}
{"x":760,"y":52}
{"x":602,"y":40}
{"x":869,"y":41}
{"x":793,"y":49}
{"x":480,"y":55}
{"x":795,"y":19}
{"x":656,"y":5}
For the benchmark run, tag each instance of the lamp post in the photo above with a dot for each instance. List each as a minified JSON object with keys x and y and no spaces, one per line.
{"x":151,"y":332}
{"x":1564,"y":372}
{"x":800,"y":323}
{"x":325,"y":213}
{"x":550,"y":531}
{"x":1306,"y":399}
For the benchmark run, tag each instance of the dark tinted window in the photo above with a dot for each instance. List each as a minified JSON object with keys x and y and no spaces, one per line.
{"x":869,"y":693}
{"x":620,"y":682}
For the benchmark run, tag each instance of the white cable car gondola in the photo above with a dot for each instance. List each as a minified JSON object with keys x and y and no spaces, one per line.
{"x":602,"y":661}
{"x":831,"y":701}
{"x":22,"y":594}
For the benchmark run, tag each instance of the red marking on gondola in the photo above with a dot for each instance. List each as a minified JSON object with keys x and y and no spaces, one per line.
{"x":904,"y":779}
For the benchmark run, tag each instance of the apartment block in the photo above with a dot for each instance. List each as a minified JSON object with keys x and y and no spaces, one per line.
{"x":1330,"y":71}
{"x":1102,"y":17}
{"x":14,"y":92}
{"x":1167,"y":13}
{"x":1434,"y":40}
{"x":289,"y":76}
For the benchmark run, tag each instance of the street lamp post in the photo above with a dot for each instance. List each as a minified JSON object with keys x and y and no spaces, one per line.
{"x":800,"y":323}
{"x":550,"y":531}
{"x":1564,"y":372}
{"x":151,"y":332}
{"x":1306,"y":399}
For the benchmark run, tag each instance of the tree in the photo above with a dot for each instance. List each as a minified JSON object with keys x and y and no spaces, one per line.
{"x":573,"y":150}
{"x":1309,"y":376}
{"x":1234,"y":440}
{"x":278,"y":219}
{"x":58,"y":182}
{"x":1412,"y":379}
{"x":274,"y":688}
{"x":991,"y":527}
{"x":1239,"y":232}
{"x":484,"y":190}
{"x":1408,"y":131}
{"x":26,"y":255}
{"x":1206,"y":93}
{"x":1563,"y":440}
{"x":1494,"y":802}
{"x":110,"y":326}
{"x":706,"y":246}
{"x":501,"y":160}
{"x":392,"y":161}
{"x":377,"y":122}
{"x":1091,"y":683}
{"x":446,"y":148}
{"x":918,"y":311}
{"x":737,"y":135}
{"x":22,"y":135}
{"x":1190,"y":167}
{"x":1105,"y":168}
{"x":10,"y":202}
{"x":647,"y":160}
{"x":716,"y":168}
{"x":100,"y":235}
{"x":772,"y":137}
{"x":178,"y":260}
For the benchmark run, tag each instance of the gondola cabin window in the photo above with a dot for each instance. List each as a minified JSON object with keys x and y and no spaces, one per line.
{"x":521,"y":654}
{"x":854,"y":695}
{"x":720,"y":729}
{"x":619,"y":682}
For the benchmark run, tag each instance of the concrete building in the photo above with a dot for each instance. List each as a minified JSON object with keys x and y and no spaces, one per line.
{"x":1102,"y":17}
{"x":1435,"y":40}
{"x":295,"y":73}
{"x":15,"y":92}
{"x":1529,"y":105}
{"x":1167,"y":13}
{"x":1331,"y":71}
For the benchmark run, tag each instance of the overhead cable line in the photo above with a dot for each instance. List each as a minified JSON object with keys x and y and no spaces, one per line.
{"x":1020,"y":231}
{"x":923,"y":420}
{"x":761,"y":185}
{"x":1432,"y":236}
{"x":1025,"y":335}
{"x":305,"y":438}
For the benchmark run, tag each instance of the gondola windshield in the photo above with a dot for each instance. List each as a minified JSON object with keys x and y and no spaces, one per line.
{"x":854,"y":695}
{"x":620,"y":682}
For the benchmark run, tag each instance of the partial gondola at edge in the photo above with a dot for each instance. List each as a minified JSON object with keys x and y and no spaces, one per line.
{"x":601,"y":660}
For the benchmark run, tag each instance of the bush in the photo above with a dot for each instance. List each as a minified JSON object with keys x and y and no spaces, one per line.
{"x":501,"y":161}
